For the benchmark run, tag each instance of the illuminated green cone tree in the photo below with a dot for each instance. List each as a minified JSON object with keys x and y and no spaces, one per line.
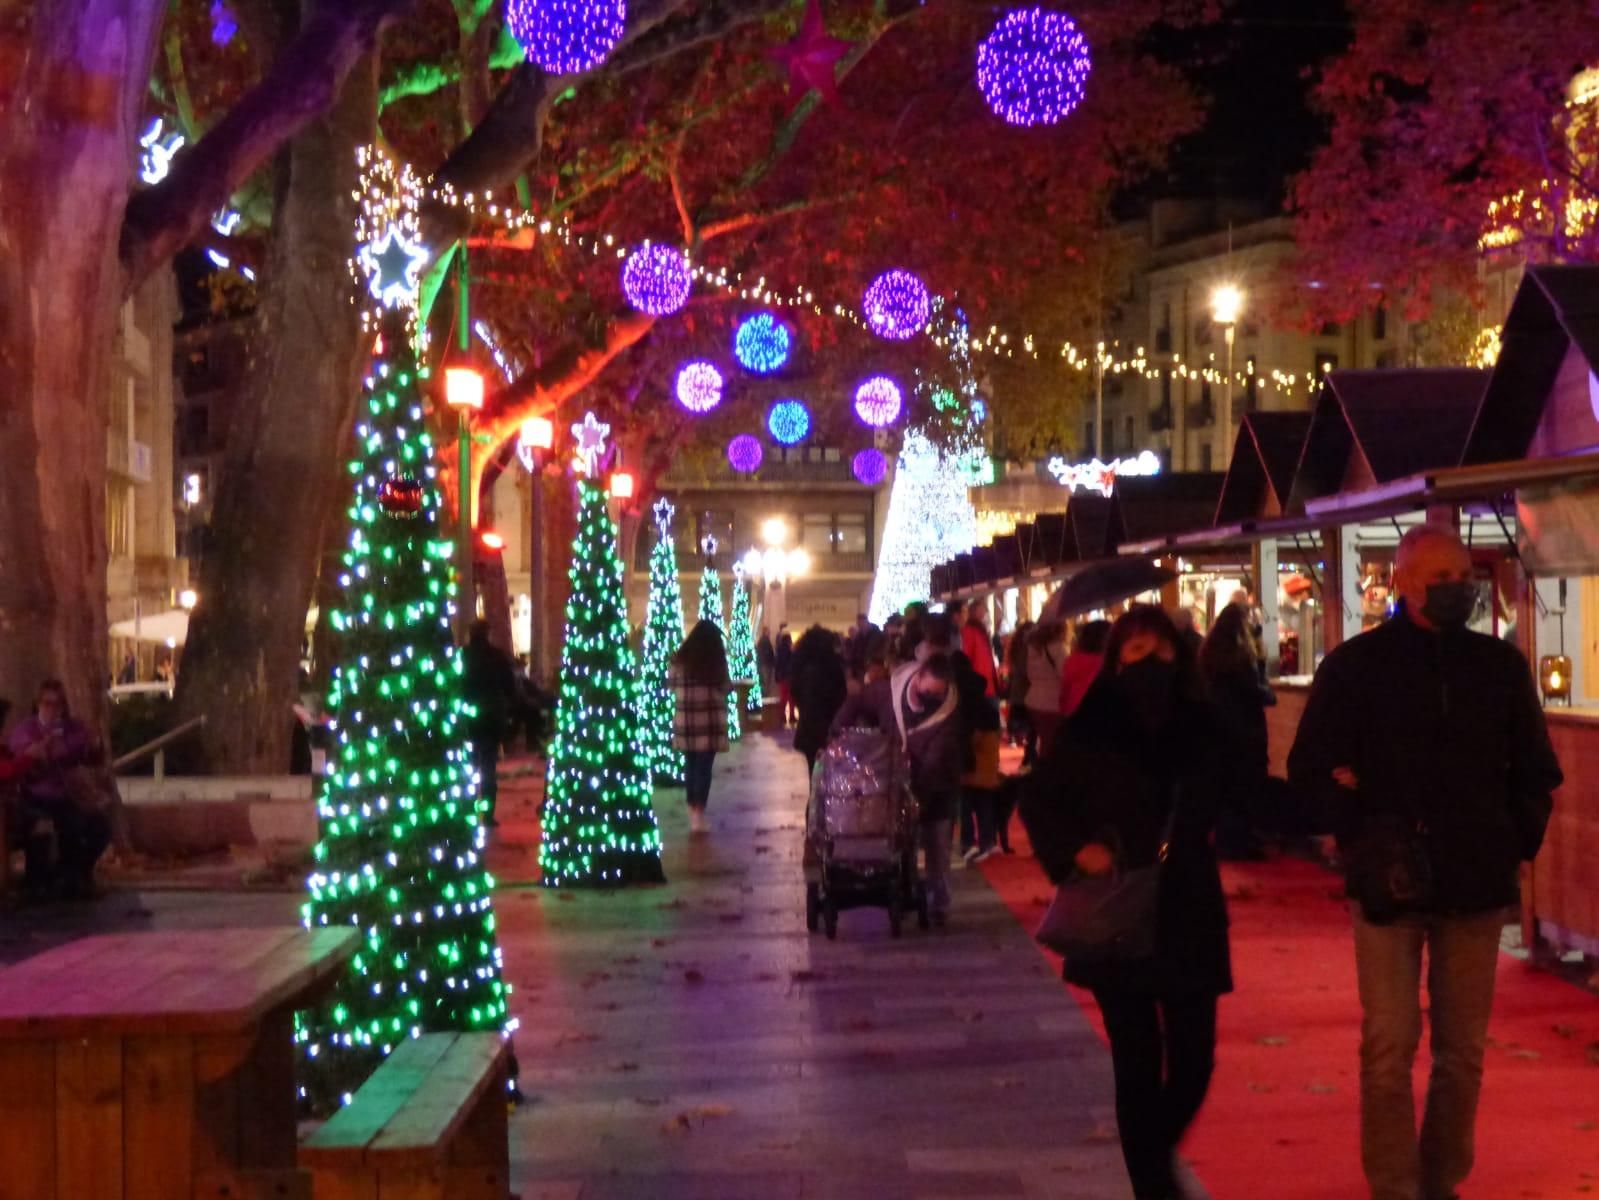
{"x":400,"y":853}
{"x":711,"y":610}
{"x":663,"y":633}
{"x":599,"y":826}
{"x":741,"y":643}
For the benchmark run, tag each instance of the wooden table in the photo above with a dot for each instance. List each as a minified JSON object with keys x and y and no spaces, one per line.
{"x":158,"y":1066}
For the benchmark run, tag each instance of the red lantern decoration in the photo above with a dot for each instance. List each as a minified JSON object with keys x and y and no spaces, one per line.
{"x":401,"y":496}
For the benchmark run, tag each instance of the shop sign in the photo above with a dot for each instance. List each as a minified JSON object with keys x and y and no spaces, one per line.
{"x":1098,"y":476}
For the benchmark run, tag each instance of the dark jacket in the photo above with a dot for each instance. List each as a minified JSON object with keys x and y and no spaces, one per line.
{"x":1444,"y":728}
{"x":783,"y":656}
{"x":818,"y":687}
{"x":489,"y":683}
{"x":1106,"y":779}
{"x":936,"y":742}
{"x":1241,"y":701}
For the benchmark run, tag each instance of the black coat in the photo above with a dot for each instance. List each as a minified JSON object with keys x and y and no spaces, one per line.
{"x":819,"y":688}
{"x":1441,"y":727}
{"x":1105,"y":779}
{"x":488,"y":682}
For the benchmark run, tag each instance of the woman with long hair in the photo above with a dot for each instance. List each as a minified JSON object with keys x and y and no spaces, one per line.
{"x":1231,"y":671}
{"x":819,"y":687}
{"x":699,"y":679}
{"x":1131,"y":782}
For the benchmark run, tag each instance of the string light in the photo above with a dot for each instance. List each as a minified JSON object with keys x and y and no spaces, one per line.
{"x":761,"y":343}
{"x":930,"y":520}
{"x":1033,"y":66}
{"x":699,"y":386}
{"x":663,"y":633}
{"x":789,"y":421}
{"x":567,"y":37}
{"x":741,"y":663}
{"x":896,"y":305}
{"x":878,"y":401}
{"x":657,"y":279}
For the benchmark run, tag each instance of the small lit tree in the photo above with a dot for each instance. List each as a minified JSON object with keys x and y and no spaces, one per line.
{"x":663,"y":633}
{"x":741,"y":661}
{"x":711,"y":610}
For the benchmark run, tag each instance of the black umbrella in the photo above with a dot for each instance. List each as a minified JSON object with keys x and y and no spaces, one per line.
{"x":1102,"y":584}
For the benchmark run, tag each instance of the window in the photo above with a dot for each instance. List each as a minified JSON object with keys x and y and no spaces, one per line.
{"x":119,"y":519}
{"x":1165,"y":389}
{"x":1132,"y":434}
{"x":851,"y":533}
{"x":1110,"y":440}
{"x":1204,"y":455}
{"x":1379,"y":323}
{"x":816,"y":532}
{"x":1329,"y":329}
{"x":1088,"y":437}
{"x":195,"y":434}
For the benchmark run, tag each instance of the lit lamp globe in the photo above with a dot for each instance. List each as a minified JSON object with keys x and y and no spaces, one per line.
{"x":621,"y":485}
{"x":751,"y":562}
{"x":538,"y":433}
{"x":1226,"y":302}
{"x":463,"y":386}
{"x":774,"y":531}
{"x":774,"y":563}
{"x":799,"y":561}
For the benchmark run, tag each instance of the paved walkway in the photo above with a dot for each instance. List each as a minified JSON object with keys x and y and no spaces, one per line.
{"x":693,"y":1040}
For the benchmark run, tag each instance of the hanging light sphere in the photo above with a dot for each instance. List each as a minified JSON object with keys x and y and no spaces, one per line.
{"x":744,"y":452}
{"x":878,"y":401}
{"x":1033,"y":66}
{"x":869,"y":466}
{"x":567,"y":36}
{"x":699,"y":386}
{"x":656,"y":279}
{"x":789,"y":421}
{"x":896,"y":305}
{"x":761,"y":343}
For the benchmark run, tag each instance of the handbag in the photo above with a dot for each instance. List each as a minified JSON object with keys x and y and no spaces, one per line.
{"x":1389,"y":873}
{"x":1107,"y":919}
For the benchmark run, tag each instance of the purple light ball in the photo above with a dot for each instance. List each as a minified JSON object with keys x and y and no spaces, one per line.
{"x":699,"y":386}
{"x":878,"y":401}
{"x":896,"y":305}
{"x":869,"y":466}
{"x":1033,"y":66}
{"x":566,"y":37}
{"x":656,"y":279}
{"x":744,"y":452}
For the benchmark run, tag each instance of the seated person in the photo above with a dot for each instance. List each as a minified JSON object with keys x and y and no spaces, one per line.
{"x":53,"y":743}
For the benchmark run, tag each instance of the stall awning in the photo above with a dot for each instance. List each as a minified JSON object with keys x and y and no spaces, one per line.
{"x":1450,"y":485}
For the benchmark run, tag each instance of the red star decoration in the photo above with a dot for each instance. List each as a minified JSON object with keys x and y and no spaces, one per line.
{"x":812,"y":57}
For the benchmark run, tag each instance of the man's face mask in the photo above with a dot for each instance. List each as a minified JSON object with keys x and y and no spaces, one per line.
{"x":1451,"y":605}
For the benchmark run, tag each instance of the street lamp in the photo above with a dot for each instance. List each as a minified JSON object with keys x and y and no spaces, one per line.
{"x":534,"y":443}
{"x":463,"y":392}
{"x":1226,"y":302}
{"x":774,"y":531}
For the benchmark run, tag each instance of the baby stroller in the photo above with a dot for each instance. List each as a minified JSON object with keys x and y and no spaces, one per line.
{"x":860,"y":834}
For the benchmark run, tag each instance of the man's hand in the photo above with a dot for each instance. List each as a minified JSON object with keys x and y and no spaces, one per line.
{"x":1346,"y":778}
{"x":1095,"y":859}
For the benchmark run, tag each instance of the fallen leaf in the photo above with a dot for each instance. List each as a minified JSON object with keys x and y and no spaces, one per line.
{"x":858,"y":1025}
{"x":805,"y":976}
{"x":625,"y":1066}
{"x":693,"y":976}
{"x":1531,"y":1054}
{"x":1275,"y":1040}
{"x":1265,"y":1089}
{"x":1321,"y":1089}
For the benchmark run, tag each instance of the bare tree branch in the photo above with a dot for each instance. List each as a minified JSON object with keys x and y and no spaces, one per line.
{"x":300,"y":87}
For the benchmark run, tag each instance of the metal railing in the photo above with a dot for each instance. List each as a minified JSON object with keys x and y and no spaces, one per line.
{"x":158,"y":748}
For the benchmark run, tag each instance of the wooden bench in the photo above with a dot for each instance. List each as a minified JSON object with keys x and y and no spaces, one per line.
{"x":429,"y":1125}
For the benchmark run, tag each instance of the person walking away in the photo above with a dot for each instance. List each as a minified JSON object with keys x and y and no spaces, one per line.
{"x":782,"y":668}
{"x":766,"y":661}
{"x":53,"y":743}
{"x":1130,"y":782}
{"x":1426,"y":742}
{"x":979,"y":648}
{"x":699,"y":679}
{"x":488,"y":683}
{"x":1083,"y":664}
{"x":1227,"y":660}
{"x":819,"y":686}
{"x":1046,"y":656}
{"x":1016,"y":722}
{"x":980,"y":783}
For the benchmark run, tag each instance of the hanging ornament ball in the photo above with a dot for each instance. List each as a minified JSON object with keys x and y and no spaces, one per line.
{"x":869,"y":466}
{"x":567,"y":36}
{"x":761,"y":343}
{"x":1033,"y":66}
{"x":744,"y":452}
{"x":400,"y":496}
{"x":657,"y":279}
{"x":896,"y":305}
{"x":789,"y":421}
{"x":878,"y":401}
{"x":699,"y":386}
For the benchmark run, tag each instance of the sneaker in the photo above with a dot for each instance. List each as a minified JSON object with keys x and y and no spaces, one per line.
{"x":971,"y":855}
{"x":982,"y":855}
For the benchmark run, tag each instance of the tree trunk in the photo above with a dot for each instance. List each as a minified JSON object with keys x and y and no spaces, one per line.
{"x":282,"y":478}
{"x":67,"y":138}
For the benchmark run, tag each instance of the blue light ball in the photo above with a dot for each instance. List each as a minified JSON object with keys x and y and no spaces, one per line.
{"x":566,"y":37}
{"x":789,"y":421}
{"x":1032,"y":68}
{"x":761,"y":343}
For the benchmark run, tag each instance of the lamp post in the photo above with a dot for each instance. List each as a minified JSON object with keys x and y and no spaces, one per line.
{"x":775,"y":566}
{"x":536,"y":440}
{"x":463,"y":392}
{"x":1226,"y":302}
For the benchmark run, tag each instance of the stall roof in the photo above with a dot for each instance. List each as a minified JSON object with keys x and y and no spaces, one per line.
{"x":1475,"y":481}
{"x":1088,"y":523}
{"x":1553,"y":325}
{"x":1260,"y":474}
{"x":1159,"y":506}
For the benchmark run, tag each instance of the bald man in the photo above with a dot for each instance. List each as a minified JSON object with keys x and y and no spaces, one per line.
{"x":1426,"y":742}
